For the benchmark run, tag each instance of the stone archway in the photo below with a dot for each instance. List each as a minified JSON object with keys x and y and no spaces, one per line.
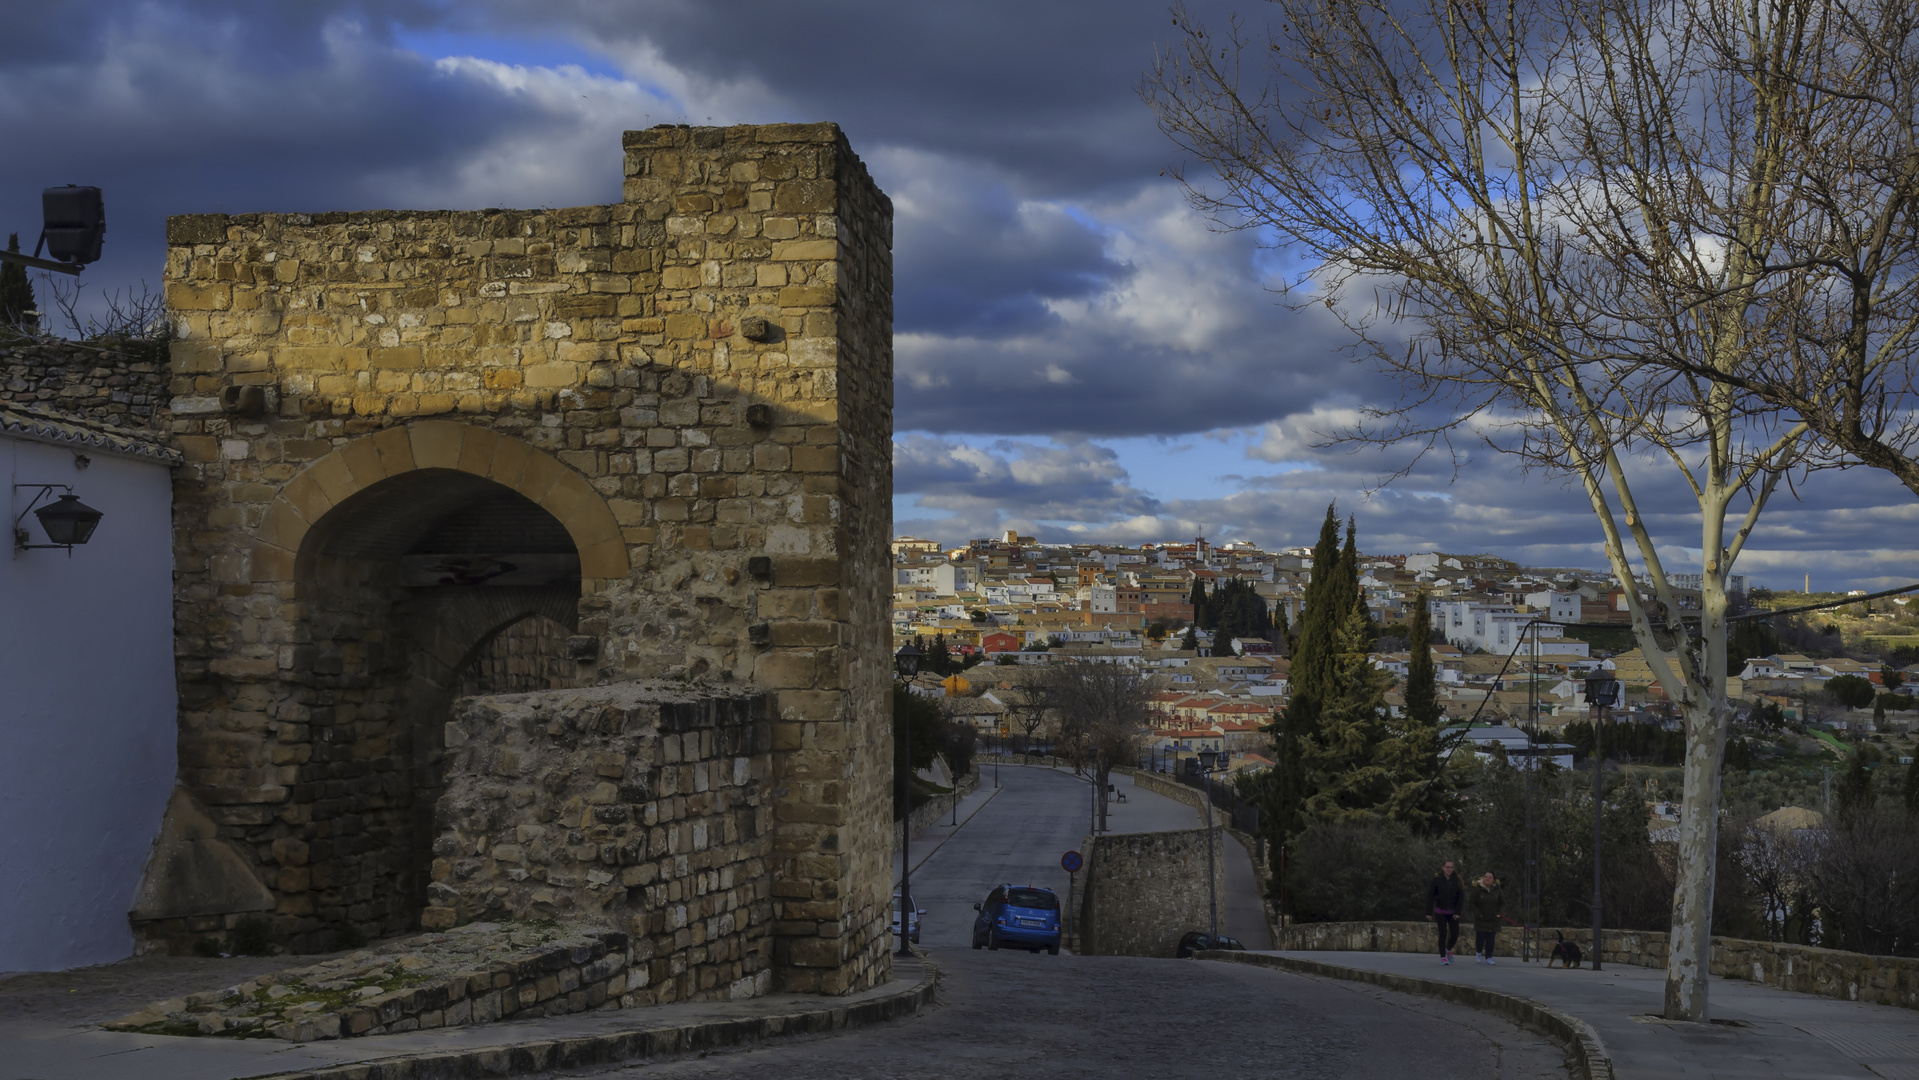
{"x":437,"y":444}
{"x":405,"y":553}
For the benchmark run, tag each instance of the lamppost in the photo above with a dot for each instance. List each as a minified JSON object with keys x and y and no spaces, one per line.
{"x":1602,"y":694}
{"x":999,"y":751}
{"x":1207,"y":759}
{"x":907,"y":660}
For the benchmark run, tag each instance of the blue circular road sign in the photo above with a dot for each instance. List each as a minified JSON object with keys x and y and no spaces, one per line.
{"x":1072,"y":862}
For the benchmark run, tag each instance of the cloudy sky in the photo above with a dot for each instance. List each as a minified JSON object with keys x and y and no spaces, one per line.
{"x":1079,"y":355}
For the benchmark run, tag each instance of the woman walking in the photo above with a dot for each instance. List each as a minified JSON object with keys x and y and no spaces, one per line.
{"x":1487,"y":901}
{"x":1443,"y":900}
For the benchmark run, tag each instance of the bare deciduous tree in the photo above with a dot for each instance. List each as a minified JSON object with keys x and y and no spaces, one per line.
{"x":138,"y":313}
{"x":1102,"y":710}
{"x":1580,"y":226}
{"x":1772,"y":859}
{"x":1864,"y":875}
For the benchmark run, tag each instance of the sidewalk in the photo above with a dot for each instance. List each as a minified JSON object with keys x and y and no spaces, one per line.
{"x":52,"y":1051}
{"x":929,"y":840}
{"x":1757,"y":1031}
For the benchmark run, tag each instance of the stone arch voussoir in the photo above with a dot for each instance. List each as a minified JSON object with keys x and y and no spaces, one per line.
{"x":438,"y":444}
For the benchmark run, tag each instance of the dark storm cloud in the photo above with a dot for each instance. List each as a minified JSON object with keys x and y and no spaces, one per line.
{"x":234,"y":108}
{"x":972,"y":257}
{"x":1052,"y":286}
{"x":1041,"y":91}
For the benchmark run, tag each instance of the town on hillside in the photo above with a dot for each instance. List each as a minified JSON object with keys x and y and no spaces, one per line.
{"x":1207,"y":626}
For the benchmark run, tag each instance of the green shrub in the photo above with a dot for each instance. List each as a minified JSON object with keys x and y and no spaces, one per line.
{"x":1359,"y":871}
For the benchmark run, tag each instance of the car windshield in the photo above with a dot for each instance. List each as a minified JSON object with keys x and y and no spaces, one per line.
{"x":896,"y":905}
{"x":1032,"y":898}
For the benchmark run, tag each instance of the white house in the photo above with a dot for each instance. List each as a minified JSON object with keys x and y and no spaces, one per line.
{"x":1559,"y":606}
{"x":1498,"y":628}
{"x":87,"y":700}
{"x":944,"y":579}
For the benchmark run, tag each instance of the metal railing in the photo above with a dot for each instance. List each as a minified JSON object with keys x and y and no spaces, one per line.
{"x":1243,"y":815}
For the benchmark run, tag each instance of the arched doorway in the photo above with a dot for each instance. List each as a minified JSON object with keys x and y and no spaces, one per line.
{"x":406,"y":588}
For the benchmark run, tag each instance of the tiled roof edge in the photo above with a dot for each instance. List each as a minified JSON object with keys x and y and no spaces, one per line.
{"x":45,"y":425}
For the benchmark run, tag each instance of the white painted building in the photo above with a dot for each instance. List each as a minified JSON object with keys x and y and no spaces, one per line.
{"x":1498,"y":628}
{"x":87,"y":701}
{"x":944,"y":579}
{"x":1558,"y":606}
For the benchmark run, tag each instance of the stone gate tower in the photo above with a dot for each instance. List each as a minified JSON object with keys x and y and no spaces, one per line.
{"x":434,"y":454}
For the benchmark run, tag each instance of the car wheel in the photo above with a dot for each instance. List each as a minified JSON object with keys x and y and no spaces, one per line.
{"x":1052,"y":950}
{"x":992,"y":942}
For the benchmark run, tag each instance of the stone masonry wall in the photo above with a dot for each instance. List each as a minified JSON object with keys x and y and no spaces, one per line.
{"x":1883,"y":980}
{"x":641,"y":808}
{"x":694,"y":382}
{"x":1145,"y":890}
{"x":122,"y":383}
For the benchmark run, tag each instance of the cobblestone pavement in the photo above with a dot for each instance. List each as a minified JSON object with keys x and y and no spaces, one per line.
{"x":1016,"y":1014}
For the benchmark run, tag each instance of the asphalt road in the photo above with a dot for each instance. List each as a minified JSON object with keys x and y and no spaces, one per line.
{"x":1016,"y":1014}
{"x":1018,"y":838}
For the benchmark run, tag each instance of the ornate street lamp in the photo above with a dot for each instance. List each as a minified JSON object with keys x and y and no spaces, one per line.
{"x":907,"y":660}
{"x":1208,"y":759}
{"x":1602,"y":693}
{"x":67,"y":521}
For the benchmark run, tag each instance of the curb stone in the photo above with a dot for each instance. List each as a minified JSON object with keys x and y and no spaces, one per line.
{"x":542,"y":1055}
{"x":1575,"y":1035}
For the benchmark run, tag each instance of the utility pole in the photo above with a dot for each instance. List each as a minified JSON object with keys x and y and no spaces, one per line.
{"x":1601,"y":694}
{"x":1207,"y":758}
{"x":908,"y":662}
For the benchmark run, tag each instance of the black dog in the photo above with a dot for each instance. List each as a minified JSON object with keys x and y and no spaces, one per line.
{"x":1565,"y":952}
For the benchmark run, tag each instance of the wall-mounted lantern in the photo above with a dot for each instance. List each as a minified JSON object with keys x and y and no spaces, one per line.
{"x":67,"y":521}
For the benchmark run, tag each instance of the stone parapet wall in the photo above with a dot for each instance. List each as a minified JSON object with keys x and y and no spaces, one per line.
{"x":638,"y":807}
{"x":110,"y":381}
{"x":934,"y":810}
{"x":1144,"y":891}
{"x":1882,"y":980}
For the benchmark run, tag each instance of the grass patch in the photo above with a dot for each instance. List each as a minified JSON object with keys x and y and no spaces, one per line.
{"x":1830,"y":739}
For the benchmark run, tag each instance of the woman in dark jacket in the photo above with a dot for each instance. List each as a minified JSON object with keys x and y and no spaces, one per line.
{"x":1487,"y":901}
{"x":1444,"y":897}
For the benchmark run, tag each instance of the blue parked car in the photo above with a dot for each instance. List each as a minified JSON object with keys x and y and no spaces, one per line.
{"x":1019,"y":916}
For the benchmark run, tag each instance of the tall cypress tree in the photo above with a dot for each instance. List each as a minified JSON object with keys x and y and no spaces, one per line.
{"x":1349,"y":567}
{"x":1345,"y":770}
{"x":1421,"y":797}
{"x":17,"y":305}
{"x":1319,"y":621}
{"x":1201,"y":613}
{"x":1854,"y":793}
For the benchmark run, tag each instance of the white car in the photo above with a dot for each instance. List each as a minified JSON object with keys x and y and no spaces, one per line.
{"x":913,"y":924}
